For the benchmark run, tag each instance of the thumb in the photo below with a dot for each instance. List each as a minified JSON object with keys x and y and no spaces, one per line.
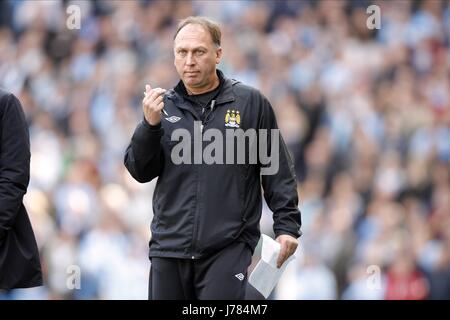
{"x":148,"y":88}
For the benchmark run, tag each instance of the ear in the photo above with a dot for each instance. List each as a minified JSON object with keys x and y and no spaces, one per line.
{"x":218,"y":55}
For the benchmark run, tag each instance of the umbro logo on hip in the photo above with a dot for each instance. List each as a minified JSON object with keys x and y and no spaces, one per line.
{"x":240,"y":276}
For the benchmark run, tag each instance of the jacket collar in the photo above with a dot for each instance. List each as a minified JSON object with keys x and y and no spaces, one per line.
{"x":226,"y":93}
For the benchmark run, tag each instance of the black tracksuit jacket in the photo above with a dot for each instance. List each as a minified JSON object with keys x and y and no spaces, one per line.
{"x":201,"y":208}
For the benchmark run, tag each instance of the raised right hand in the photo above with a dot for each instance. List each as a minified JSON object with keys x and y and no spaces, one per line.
{"x":152,"y":104}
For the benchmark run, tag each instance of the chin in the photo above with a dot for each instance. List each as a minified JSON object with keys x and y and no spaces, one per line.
{"x":193,"y":83}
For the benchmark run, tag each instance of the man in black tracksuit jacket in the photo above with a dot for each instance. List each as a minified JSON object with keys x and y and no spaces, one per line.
{"x":19,"y":256}
{"x":206,"y":215}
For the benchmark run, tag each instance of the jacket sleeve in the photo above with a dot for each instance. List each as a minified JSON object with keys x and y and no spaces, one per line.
{"x":280,"y":186}
{"x":14,"y":160}
{"x":144,"y":156}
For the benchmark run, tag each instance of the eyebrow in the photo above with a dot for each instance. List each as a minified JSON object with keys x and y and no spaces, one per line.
{"x":193,"y":49}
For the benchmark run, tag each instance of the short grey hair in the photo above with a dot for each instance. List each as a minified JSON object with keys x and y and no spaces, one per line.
{"x":209,"y":25}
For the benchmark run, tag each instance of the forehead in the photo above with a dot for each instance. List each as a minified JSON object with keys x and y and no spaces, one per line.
{"x":193,"y":35}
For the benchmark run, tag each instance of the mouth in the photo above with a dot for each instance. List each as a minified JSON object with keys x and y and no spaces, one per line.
{"x":191,"y":72}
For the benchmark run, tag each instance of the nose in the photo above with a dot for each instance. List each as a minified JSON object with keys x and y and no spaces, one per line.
{"x":190,"y":61}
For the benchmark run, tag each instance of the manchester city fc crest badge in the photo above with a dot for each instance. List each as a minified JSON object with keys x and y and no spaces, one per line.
{"x":232,"y":118}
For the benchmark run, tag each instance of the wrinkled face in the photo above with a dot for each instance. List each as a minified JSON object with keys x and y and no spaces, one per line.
{"x":196,"y":56}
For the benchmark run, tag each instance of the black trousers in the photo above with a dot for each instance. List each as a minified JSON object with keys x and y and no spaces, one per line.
{"x":221,"y":276}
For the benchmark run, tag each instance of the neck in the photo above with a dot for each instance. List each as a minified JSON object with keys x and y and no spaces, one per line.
{"x":211,"y":86}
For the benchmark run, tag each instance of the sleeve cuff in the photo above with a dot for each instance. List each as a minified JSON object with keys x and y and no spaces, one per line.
{"x":294,"y":234}
{"x":151,"y":127}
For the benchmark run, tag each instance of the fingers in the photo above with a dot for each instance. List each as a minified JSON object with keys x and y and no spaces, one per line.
{"x":288,"y":248}
{"x":282,"y":256}
{"x":160,"y":106}
{"x":155,"y":91}
{"x":159,"y":100}
{"x":153,"y":96}
{"x":153,"y":104}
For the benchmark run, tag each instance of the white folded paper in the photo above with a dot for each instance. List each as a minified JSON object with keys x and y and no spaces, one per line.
{"x":265,"y":276}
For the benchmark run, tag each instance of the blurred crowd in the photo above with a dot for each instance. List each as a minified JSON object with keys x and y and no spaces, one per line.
{"x":365,"y":113}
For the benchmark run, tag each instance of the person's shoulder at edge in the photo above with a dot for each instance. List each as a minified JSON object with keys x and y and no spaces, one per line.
{"x":4,"y":95}
{"x":8,"y":100}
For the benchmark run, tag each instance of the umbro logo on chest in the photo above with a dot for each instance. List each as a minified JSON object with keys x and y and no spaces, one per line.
{"x":173,"y":119}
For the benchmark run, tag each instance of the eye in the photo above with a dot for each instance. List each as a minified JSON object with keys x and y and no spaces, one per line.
{"x":200,"y":52}
{"x":181,"y":53}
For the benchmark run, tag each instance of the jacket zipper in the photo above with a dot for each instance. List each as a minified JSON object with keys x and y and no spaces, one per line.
{"x":205,"y":119}
{"x":194,"y":231}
